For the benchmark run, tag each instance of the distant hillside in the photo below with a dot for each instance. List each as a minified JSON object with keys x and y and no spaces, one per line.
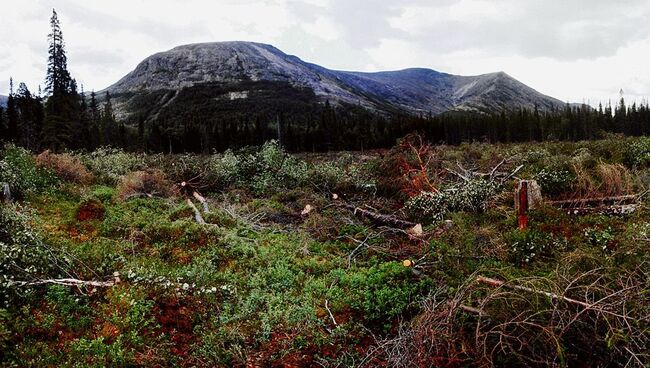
{"x":3,"y":101}
{"x":233,"y":72}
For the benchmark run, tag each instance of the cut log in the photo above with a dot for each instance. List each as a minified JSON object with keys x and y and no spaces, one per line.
{"x":204,"y":202}
{"x":197,"y":214}
{"x":575,"y":203}
{"x":380,"y":218}
{"x":613,"y":210}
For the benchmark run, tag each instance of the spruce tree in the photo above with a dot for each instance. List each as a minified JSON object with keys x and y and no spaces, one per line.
{"x":58,"y":80}
{"x":107,"y":122}
{"x":94,"y":116}
{"x":63,"y":109}
{"x":12,"y":114}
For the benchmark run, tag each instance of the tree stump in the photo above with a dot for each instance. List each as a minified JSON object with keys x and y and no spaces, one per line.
{"x":528,"y":196}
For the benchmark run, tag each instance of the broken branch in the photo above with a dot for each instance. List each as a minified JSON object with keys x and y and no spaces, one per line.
{"x":378,"y":217}
{"x":197,"y":214}
{"x":202,"y":200}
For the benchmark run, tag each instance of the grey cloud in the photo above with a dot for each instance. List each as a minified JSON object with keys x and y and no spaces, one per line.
{"x":364,"y":22}
{"x":332,"y":54}
{"x":563,"y":30}
{"x":145,"y":26}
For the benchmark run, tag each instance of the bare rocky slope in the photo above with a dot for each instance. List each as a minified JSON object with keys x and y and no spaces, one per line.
{"x":415,"y":90}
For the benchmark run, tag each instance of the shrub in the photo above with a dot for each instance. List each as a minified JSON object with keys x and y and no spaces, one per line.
{"x":65,"y":167}
{"x":18,"y":169}
{"x":637,"y":153}
{"x":470,"y":196}
{"x":554,"y":180}
{"x":225,"y":169}
{"x":109,"y":164}
{"x":601,"y":238}
{"x":23,"y":256}
{"x":150,"y":183}
{"x":103,"y":193}
{"x":428,"y":206}
{"x":529,"y":245}
{"x":277,"y":169}
{"x":381,"y":292}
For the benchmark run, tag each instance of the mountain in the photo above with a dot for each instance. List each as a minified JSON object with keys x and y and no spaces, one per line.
{"x":231,"y":71}
{"x":3,"y":101}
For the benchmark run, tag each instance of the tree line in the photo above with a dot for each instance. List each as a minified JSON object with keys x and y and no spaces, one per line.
{"x":62,"y":117}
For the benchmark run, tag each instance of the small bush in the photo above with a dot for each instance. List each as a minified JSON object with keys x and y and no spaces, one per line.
{"x":381,"y":292}
{"x":109,"y":164}
{"x":103,"y":194}
{"x":18,"y":169}
{"x":150,"y":183}
{"x":225,"y":169}
{"x":23,"y":255}
{"x":554,"y":181}
{"x":528,"y":246}
{"x":471,"y":196}
{"x":277,"y":169}
{"x":637,"y":153}
{"x":65,"y":167}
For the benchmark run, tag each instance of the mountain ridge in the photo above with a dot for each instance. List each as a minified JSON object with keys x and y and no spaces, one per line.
{"x":413,"y":90}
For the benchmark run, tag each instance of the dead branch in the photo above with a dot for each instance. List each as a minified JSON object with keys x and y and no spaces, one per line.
{"x":330,"y":313}
{"x":378,"y":217}
{"x":494,"y":175}
{"x":66,"y":282}
{"x":203,"y":201}
{"x":197,"y":214}
{"x":503,"y":284}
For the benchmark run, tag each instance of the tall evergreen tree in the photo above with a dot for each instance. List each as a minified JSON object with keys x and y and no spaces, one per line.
{"x":58,"y":80}
{"x":107,"y":123}
{"x":63,"y":109}
{"x":12,"y":114}
{"x":30,"y":117}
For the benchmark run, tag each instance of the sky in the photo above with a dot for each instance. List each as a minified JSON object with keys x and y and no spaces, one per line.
{"x":574,"y":50}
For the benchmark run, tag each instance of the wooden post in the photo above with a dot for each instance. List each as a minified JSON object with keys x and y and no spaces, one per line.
{"x":522,"y":198}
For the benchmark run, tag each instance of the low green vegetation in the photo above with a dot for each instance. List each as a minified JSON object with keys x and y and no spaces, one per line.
{"x":285,"y":273}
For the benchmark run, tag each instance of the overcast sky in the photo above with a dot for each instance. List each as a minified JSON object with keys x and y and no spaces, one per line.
{"x":575,"y":50}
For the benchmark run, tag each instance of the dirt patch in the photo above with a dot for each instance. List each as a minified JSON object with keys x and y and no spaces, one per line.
{"x":90,"y":210}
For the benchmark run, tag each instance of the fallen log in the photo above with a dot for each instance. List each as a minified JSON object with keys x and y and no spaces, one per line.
{"x":573,"y":203}
{"x":202,"y":200}
{"x":197,"y":214}
{"x":378,"y":217}
{"x":613,"y":210}
{"x":66,"y":282}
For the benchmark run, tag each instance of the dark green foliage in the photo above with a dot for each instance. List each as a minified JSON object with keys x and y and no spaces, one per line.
{"x":23,"y":257}
{"x":379,"y":293}
{"x":18,"y":169}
